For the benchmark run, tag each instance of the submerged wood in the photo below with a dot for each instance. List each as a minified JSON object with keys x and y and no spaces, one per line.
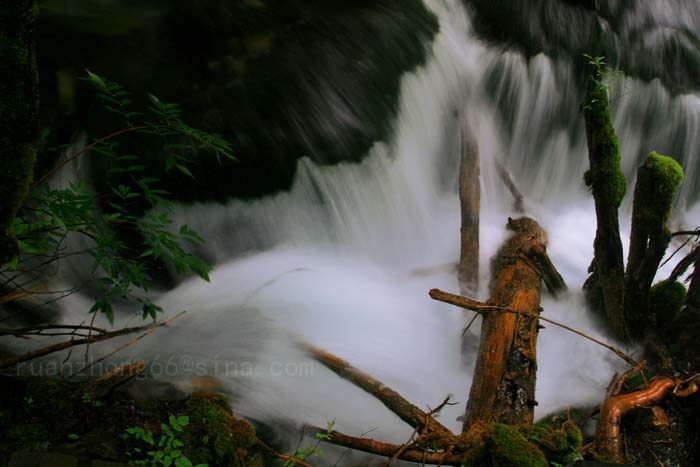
{"x":470,"y":204}
{"x":518,"y":198}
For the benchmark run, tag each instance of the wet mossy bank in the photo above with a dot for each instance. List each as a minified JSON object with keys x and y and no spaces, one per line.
{"x":280,"y":79}
{"x":42,"y":414}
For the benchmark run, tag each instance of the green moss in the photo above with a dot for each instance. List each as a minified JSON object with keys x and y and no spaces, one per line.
{"x":38,"y":414}
{"x":511,"y":448}
{"x":666,"y":176}
{"x":666,"y":298}
{"x":605,"y":177}
{"x":559,"y":439}
{"x":215,"y":437}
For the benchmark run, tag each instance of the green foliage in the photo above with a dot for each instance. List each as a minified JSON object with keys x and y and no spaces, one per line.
{"x":88,"y":399}
{"x":53,"y":215}
{"x":305,"y":453}
{"x":166,"y":450}
{"x":217,"y":437}
{"x":605,"y":178}
{"x":666,"y":299}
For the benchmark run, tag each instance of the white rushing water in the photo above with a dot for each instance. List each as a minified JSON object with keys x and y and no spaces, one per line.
{"x":345,"y":259}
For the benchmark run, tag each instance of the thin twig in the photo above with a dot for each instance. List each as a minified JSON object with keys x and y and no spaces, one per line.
{"x":278,"y":455}
{"x":131,"y":342}
{"x":480,"y":307}
{"x":85,"y":149}
{"x":9,"y":361}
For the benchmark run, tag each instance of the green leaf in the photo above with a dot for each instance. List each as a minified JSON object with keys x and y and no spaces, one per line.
{"x":184,"y":170}
{"x":96,"y":80}
{"x":182,"y":462}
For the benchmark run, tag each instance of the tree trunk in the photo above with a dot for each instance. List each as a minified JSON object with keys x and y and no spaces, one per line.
{"x":606,"y":284}
{"x":18,"y":113}
{"x":470,"y":203}
{"x":657,"y":182}
{"x":503,"y":388}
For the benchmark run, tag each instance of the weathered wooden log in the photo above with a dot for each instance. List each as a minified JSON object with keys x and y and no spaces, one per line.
{"x":658,"y":180}
{"x":406,"y":411}
{"x":392,"y":450}
{"x":470,"y":204}
{"x":606,"y":283}
{"x":503,"y":387}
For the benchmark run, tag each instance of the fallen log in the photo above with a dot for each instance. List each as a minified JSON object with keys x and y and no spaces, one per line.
{"x":406,"y":411}
{"x":503,"y":387}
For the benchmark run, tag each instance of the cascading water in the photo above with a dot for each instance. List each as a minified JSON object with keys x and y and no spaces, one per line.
{"x":345,"y":258}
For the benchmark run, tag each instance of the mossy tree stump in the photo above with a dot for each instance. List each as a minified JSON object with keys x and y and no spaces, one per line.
{"x":658,"y":180}
{"x":607,"y":274}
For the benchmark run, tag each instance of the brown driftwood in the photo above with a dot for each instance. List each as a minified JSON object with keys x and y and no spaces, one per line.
{"x":391,"y":450}
{"x":406,"y":411}
{"x":503,"y":388}
{"x":470,"y":204}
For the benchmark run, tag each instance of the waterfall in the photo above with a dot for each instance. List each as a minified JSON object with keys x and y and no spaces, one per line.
{"x":345,"y":258}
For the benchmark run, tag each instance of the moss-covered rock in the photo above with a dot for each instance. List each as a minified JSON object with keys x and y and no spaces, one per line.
{"x":606,"y":180}
{"x":42,"y":414}
{"x":510,"y":447}
{"x":667,"y":176}
{"x":666,"y":298}
{"x":216,"y":437}
{"x":559,"y":439}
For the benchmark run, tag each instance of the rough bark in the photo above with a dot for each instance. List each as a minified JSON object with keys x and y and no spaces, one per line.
{"x":503,"y":388}
{"x":608,"y":440}
{"x":406,"y":411}
{"x":606,"y":284}
{"x":657,"y":182}
{"x":470,"y":204}
{"x":19,"y":104}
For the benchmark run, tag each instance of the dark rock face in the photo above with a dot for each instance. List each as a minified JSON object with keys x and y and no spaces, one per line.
{"x":639,"y":38}
{"x":280,"y":79}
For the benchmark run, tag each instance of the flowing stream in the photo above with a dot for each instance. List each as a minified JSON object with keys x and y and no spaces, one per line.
{"x":344,"y":260}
